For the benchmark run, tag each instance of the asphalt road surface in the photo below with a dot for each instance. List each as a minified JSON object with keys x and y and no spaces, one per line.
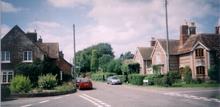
{"x":104,"y":95}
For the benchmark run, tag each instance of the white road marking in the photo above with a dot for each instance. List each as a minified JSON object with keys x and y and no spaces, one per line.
{"x":192,"y":97}
{"x":44,"y":101}
{"x":97,"y":100}
{"x":28,"y":105}
{"x":93,"y":102}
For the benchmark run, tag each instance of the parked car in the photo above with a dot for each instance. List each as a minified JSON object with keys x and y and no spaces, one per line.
{"x":113,"y":80}
{"x":85,"y":83}
{"x":78,"y":81}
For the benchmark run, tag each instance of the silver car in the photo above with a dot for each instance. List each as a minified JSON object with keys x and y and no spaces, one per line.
{"x":113,"y":80}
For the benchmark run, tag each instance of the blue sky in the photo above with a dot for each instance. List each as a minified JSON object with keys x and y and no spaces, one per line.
{"x":125,"y":24}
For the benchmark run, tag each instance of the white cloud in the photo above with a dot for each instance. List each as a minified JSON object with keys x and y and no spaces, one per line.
{"x":122,"y":23}
{"x":126,"y":23}
{"x":4,"y":29}
{"x":67,"y":3}
{"x":7,"y":7}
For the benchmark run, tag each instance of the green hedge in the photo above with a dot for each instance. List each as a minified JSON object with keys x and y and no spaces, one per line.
{"x":20,"y":84}
{"x":122,"y":78}
{"x":154,"y":79}
{"x":136,"y":79}
{"x":101,"y":76}
{"x":163,"y":80}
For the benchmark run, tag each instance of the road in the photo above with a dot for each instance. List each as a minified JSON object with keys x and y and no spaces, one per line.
{"x":104,"y":95}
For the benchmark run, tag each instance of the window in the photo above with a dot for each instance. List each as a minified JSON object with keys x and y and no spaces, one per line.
{"x":7,"y":76}
{"x":5,"y":57}
{"x":27,"y":56}
{"x":200,"y":70}
{"x":199,"y":52}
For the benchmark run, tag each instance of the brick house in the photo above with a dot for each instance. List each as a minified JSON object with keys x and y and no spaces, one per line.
{"x":193,"y":50}
{"x":19,"y":47}
{"x":143,"y":57}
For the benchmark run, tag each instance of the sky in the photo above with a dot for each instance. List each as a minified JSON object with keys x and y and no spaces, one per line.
{"x":125,"y":24}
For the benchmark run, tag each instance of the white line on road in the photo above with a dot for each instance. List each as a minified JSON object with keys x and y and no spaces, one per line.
{"x":97,"y":100}
{"x":98,"y":105}
{"x":192,"y":97}
{"x":44,"y":101}
{"x":28,"y":105}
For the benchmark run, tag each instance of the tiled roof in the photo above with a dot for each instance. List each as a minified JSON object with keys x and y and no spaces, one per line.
{"x":211,"y":41}
{"x":173,"y":45}
{"x":145,"y":52}
{"x":51,"y":49}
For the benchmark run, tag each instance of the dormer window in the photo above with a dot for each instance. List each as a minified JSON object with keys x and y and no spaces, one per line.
{"x":5,"y":56}
{"x":27,"y":56}
{"x":199,"y":52}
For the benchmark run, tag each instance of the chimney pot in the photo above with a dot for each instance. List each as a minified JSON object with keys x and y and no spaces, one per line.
{"x":152,"y":42}
{"x":217,"y":29}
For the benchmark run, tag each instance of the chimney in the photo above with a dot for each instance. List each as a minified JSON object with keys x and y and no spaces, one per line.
{"x":217,"y":29}
{"x":32,"y":36}
{"x":184,"y":34}
{"x":152,"y":42}
{"x":192,"y":29}
{"x":40,"y":40}
{"x":61,"y":54}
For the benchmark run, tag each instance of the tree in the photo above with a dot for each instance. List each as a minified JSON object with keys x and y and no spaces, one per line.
{"x":214,"y":71}
{"x":104,"y":61}
{"x":84,"y":57}
{"x":129,"y":68}
{"x":115,"y":67}
{"x":127,"y":55}
{"x":94,"y":61}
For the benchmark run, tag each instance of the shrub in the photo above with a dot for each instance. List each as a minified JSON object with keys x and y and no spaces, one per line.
{"x":214,"y":73}
{"x":187,"y":76}
{"x":5,"y":91}
{"x":20,"y":84}
{"x":122,"y":78}
{"x":154,"y":79}
{"x":47,"y":81}
{"x":65,"y":87}
{"x":101,"y":76}
{"x":171,"y":77}
{"x":135,"y":79}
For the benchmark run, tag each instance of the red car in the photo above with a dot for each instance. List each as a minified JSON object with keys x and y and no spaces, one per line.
{"x":85,"y":83}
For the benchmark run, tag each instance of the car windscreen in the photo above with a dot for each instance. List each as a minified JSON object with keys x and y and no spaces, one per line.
{"x":114,"y":77}
{"x":85,"y":80}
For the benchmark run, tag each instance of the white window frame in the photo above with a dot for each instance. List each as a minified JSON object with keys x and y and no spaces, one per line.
{"x":5,"y":57}
{"x":7,"y":73}
{"x":29,"y":59}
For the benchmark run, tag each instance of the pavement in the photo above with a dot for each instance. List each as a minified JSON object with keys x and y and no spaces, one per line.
{"x":104,"y":95}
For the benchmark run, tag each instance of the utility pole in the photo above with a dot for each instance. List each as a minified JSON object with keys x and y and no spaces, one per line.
{"x":167,"y":34}
{"x":74,"y":53}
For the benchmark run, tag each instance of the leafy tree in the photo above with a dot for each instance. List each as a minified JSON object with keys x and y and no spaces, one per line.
{"x":104,"y":61}
{"x":126,"y":55}
{"x":214,"y":71}
{"x":84,"y":57}
{"x":129,"y":68}
{"x":115,"y":67}
{"x":94,"y":61}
